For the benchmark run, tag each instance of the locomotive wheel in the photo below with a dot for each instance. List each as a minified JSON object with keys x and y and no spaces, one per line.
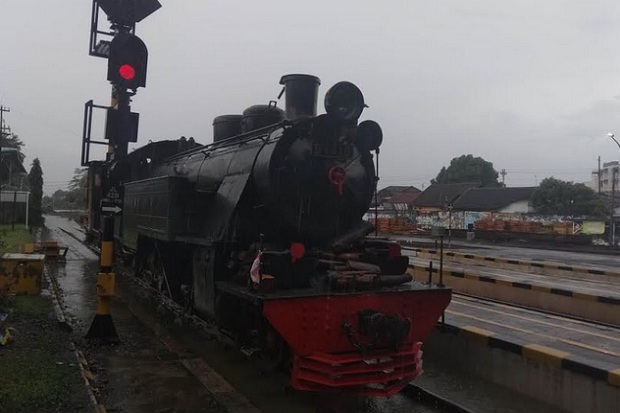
{"x":245,"y":324}
{"x":275,"y":355}
{"x":155,"y":271}
{"x":150,"y":268}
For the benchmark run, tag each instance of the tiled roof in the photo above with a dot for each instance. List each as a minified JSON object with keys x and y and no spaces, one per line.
{"x":406,"y":196}
{"x":439,"y":195}
{"x":389,"y":191}
{"x":492,"y":199}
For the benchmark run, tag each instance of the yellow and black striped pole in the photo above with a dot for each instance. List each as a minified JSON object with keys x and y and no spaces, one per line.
{"x":102,"y":326}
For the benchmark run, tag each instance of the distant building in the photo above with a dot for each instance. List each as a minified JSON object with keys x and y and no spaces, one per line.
{"x":439,"y":197}
{"x":394,"y":201}
{"x":401,"y":203}
{"x":504,"y":200}
{"x":464,"y":206}
{"x":384,"y":194}
{"x":607,"y":171}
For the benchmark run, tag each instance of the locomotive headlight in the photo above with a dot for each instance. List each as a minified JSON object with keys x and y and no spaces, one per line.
{"x":344,"y":101}
{"x":369,"y":136}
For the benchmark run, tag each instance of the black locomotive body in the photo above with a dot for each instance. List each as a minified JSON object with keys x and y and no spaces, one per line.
{"x":262,"y":231}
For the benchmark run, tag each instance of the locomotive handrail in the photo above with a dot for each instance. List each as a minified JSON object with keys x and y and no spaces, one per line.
{"x":247,"y":136}
{"x":237,"y":139}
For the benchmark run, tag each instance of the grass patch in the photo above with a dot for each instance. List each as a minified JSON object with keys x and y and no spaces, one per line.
{"x":33,"y":381}
{"x":31,"y":305}
{"x":32,"y":376}
{"x":13,"y":240}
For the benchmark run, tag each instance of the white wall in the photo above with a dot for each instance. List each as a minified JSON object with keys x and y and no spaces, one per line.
{"x":17,"y":196}
{"x":518,"y":207}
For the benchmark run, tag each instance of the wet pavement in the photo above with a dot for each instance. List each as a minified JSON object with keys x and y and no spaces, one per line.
{"x":162,"y":366}
{"x":590,"y":287}
{"x":140,"y":374}
{"x":576,"y":258}
{"x":592,"y":344}
{"x":77,"y":275}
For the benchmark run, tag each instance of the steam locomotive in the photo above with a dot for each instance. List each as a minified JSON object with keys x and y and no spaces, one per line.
{"x":262,"y":231}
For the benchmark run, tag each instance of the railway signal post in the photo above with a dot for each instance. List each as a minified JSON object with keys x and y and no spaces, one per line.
{"x":102,"y":326}
{"x":127,"y":62}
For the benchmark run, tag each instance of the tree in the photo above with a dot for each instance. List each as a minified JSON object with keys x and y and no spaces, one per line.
{"x":35,"y":179}
{"x":466,"y":169}
{"x":8,"y":140}
{"x":558,"y":197}
{"x":78,"y":181}
{"x":74,"y":198}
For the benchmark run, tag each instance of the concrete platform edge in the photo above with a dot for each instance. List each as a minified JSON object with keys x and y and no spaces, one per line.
{"x":541,"y":377}
{"x":542,"y":354}
{"x":527,"y":286}
{"x":518,"y":263}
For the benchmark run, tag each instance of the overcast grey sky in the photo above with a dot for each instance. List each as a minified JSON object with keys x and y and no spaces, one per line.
{"x":532,"y":86}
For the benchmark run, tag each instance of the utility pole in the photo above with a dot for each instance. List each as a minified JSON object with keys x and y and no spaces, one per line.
{"x":599,"y":174}
{"x":503,"y":174}
{"x":612,"y":224}
{"x":2,"y":110}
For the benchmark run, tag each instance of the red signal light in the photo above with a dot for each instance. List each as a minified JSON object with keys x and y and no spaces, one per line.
{"x":127,"y":72}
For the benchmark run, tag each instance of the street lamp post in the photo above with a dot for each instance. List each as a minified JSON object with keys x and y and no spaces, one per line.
{"x":614,"y":177}
{"x":448,"y":206}
{"x":449,"y":225}
{"x":614,"y":174}
{"x":571,"y":215}
{"x":612,"y":136}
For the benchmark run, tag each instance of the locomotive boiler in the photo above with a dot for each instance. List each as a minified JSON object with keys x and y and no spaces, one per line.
{"x":262,"y":231}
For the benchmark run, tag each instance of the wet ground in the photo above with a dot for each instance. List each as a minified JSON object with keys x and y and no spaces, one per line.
{"x":38,"y":368}
{"x":574,"y":283}
{"x":140,"y":374}
{"x":604,"y":259}
{"x":160,"y":366}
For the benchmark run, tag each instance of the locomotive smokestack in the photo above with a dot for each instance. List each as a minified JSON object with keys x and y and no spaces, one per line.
{"x":301,"y":95}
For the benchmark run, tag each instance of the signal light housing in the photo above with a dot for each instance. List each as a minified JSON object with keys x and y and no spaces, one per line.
{"x":127,"y":62}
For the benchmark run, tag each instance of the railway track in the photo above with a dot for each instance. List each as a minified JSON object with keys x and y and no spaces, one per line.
{"x":412,"y":399}
{"x":441,"y":389}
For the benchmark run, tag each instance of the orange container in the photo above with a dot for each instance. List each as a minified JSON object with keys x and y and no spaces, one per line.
{"x":21,"y":273}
